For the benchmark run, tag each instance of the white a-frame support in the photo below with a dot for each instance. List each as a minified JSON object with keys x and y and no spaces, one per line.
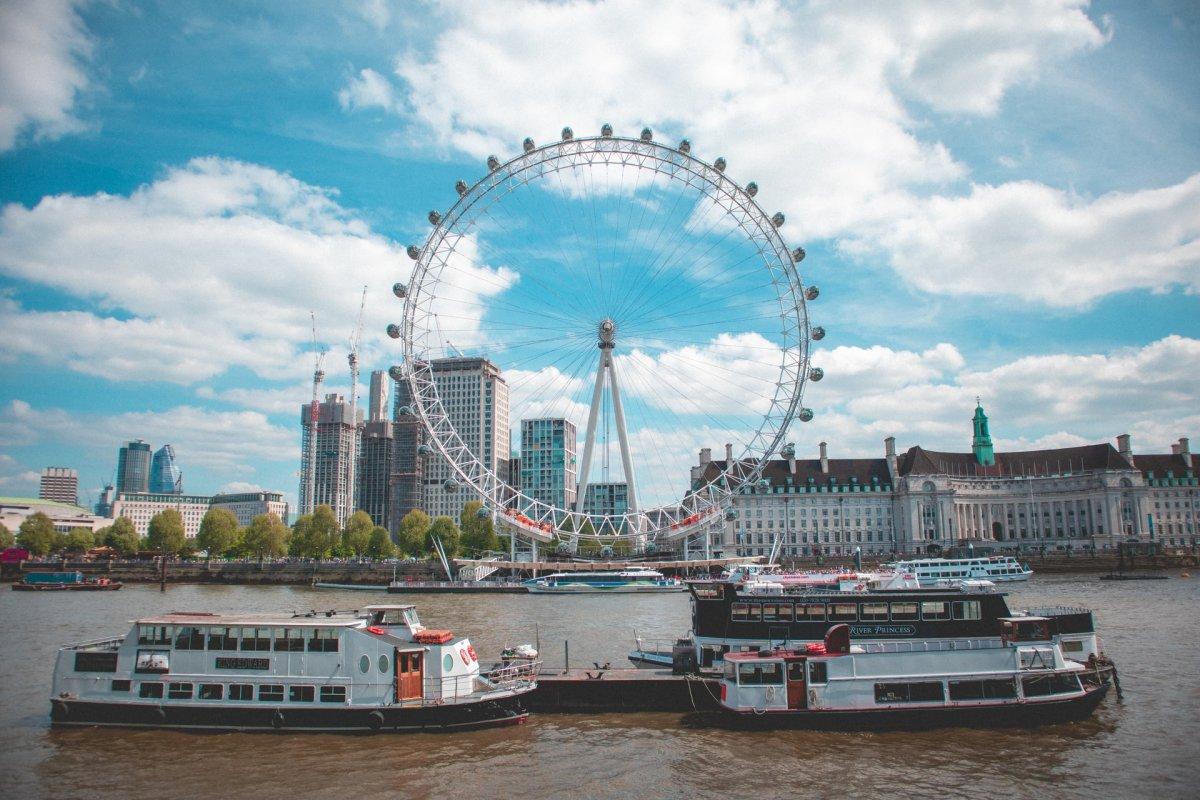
{"x":606,"y":344}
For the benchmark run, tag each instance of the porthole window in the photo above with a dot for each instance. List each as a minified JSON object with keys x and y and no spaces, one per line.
{"x":364,"y":664}
{"x":448,"y":663}
{"x":383,"y":664}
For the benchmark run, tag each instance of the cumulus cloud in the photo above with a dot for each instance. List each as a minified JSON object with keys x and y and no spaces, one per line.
{"x":369,"y":89}
{"x":214,"y":265}
{"x":44,"y":48}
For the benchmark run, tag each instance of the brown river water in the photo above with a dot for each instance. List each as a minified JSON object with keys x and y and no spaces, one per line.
{"x":1147,"y":745}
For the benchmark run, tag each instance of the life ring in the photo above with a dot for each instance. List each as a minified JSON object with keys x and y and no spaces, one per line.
{"x":375,"y":720}
{"x":466,"y":659}
{"x":471,"y":652}
{"x":277,"y":720}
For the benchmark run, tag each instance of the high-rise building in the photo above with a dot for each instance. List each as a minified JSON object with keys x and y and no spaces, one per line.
{"x":548,"y":461}
{"x":475,"y":397}
{"x":133,"y":467}
{"x":377,"y":400}
{"x":59,"y":483}
{"x":375,"y":456}
{"x":105,"y":503}
{"x":335,"y":444}
{"x":608,"y":499}
{"x":165,"y":477}
{"x":406,"y":488}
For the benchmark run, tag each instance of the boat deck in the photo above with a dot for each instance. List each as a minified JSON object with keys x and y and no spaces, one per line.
{"x":621,"y":690}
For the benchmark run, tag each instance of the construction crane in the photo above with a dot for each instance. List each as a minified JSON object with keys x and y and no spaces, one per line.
{"x":310,"y":474}
{"x":352,"y":472}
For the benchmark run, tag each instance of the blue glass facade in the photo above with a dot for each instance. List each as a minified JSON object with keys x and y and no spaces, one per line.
{"x":165,"y":477}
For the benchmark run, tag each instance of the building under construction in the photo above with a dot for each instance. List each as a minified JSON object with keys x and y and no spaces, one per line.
{"x":332,"y":459}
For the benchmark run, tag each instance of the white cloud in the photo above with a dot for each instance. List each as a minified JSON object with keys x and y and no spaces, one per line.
{"x":214,"y":265}
{"x":44,"y":47}
{"x":15,"y":478}
{"x":1037,"y":243}
{"x":237,"y":487}
{"x":369,"y":89}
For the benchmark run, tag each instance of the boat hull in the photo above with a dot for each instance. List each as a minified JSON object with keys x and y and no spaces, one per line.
{"x":290,"y":718}
{"x":66,"y":587}
{"x":580,"y":588}
{"x":1023,"y":714}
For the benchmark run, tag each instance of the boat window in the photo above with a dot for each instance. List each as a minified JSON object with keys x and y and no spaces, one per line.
{"x":966,"y":609}
{"x":935,"y":610}
{"x":241,"y":691}
{"x":270,"y":693}
{"x":909,"y":692}
{"x":222,"y":638}
{"x":384,"y":665}
{"x":301,"y":694}
{"x":813,"y":612}
{"x":154,"y":634}
{"x":256,"y":639}
{"x":1072,"y":647}
{"x":874,"y":612}
{"x":333,"y":694}
{"x":120,"y":686}
{"x":364,"y":663}
{"x":323,"y":640}
{"x":843,"y":612}
{"x":188,"y":637}
{"x":1041,"y":685}
{"x":795,"y":671}
{"x":777,"y":612}
{"x":152,"y":661}
{"x":180,"y":691}
{"x":150,"y":690}
{"x":289,"y":640}
{"x":212,"y":691}
{"x":818,"y":672}
{"x":769,"y":673}
{"x":904,"y":611}
{"x":747,"y":612}
{"x":983,"y":690}
{"x":410,"y":616}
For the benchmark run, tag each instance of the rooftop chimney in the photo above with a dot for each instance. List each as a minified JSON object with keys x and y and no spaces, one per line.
{"x":1125,"y":448}
{"x":1175,"y":449}
{"x":728,"y":453}
{"x":1184,"y":446}
{"x":705,"y":455}
{"x":889,"y":446}
{"x":824,"y":459}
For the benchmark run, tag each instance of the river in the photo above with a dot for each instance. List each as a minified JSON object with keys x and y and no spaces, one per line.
{"x":1147,"y":745}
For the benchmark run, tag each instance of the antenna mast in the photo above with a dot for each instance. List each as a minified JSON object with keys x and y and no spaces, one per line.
{"x":352,"y":471}
{"x":314,"y":415}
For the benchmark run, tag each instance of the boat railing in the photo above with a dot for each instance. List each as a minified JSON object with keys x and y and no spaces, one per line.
{"x":655,"y":644}
{"x":513,"y":677}
{"x":1057,"y":611}
{"x":930,"y":645}
{"x":111,"y":643}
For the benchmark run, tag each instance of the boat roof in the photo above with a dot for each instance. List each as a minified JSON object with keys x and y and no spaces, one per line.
{"x":320,"y":619}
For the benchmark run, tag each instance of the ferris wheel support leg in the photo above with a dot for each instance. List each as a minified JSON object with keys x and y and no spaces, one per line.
{"x":622,"y":434}
{"x":589,"y":442}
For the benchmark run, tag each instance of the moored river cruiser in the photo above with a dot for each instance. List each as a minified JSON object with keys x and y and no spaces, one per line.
{"x":998,"y":569}
{"x":380,"y":670}
{"x":604,"y":581}
{"x":1020,"y":679}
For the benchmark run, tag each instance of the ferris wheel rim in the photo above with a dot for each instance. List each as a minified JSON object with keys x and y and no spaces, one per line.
{"x":544,"y":521}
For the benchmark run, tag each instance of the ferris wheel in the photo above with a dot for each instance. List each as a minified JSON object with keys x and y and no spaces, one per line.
{"x":642,"y":310}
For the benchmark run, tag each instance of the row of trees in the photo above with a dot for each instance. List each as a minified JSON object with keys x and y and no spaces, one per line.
{"x":315,"y":535}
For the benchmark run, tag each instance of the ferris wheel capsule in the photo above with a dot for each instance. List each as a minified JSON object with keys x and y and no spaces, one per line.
{"x":647,"y":134}
{"x":435,"y":218}
{"x":816,"y":373}
{"x":567,"y":134}
{"x":731,"y":514}
{"x":752,"y":188}
{"x":812,"y":293}
{"x":396,"y":372}
{"x":406,"y":411}
{"x":493,"y":163}
{"x":563,"y":548}
{"x":818,"y":333}
{"x":413,"y":251}
{"x":805,"y":415}
{"x":424,"y":450}
{"x":526,"y":145}
{"x":719,"y":164}
{"x":606,"y":551}
{"x":798,"y":254}
{"x":483,"y":513}
{"x":460,"y":187}
{"x":778,"y":219}
{"x":393,"y":330}
{"x":685,"y":146}
{"x":450,"y":485}
{"x":606,"y":130}
{"x":400,"y":290}
{"x":788,"y":451}
{"x":650,"y":548}
{"x":764,"y":484}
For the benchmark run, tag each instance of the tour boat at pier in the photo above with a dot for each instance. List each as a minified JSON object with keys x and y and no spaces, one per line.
{"x":1022,"y":678}
{"x":64,"y":582}
{"x":998,"y":569}
{"x":606,"y":581}
{"x":380,"y":670}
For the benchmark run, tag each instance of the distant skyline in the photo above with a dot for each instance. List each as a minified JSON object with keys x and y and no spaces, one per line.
{"x":997,"y":199}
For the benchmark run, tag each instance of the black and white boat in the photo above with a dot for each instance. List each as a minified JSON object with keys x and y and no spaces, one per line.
{"x":1020,"y":679}
{"x":379,"y":670}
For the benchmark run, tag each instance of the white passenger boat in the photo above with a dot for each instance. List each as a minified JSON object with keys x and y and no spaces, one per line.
{"x":640,"y":581}
{"x":999,"y":569}
{"x":1021,"y":679}
{"x":380,"y":670}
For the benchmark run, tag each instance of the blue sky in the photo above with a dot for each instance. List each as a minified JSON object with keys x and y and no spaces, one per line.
{"x":999,"y":199}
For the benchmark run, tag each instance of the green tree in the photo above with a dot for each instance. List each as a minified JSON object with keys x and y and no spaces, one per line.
{"x":478,"y":534}
{"x":121,"y":536}
{"x":6,"y":537}
{"x":445,"y":530}
{"x":166,"y":532}
{"x":324,"y":535}
{"x":79,"y":540}
{"x":356,"y":536}
{"x":37,"y":534}
{"x":301,"y":532}
{"x":380,"y":544}
{"x":266,"y":535}
{"x":218,"y":532}
{"x":413,"y":530}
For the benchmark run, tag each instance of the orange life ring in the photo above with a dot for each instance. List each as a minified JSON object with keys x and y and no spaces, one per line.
{"x":471,"y":652}
{"x":466,"y":659}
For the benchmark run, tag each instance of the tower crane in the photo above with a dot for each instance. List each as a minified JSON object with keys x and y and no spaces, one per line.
{"x":352,"y":472}
{"x":310,"y":474}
